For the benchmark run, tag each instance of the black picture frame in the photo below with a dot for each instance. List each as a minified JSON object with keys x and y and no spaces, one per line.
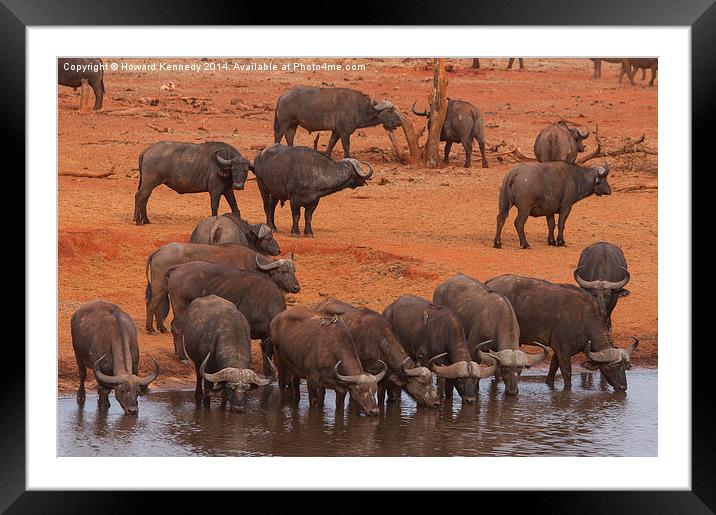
{"x":17,"y":15}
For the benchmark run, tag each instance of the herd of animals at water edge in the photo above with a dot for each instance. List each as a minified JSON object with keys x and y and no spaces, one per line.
{"x":226,"y":284}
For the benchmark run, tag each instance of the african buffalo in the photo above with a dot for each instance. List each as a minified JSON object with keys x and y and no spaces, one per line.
{"x":629,"y":67}
{"x":567,"y":319}
{"x":339,"y":110}
{"x":218,"y":341}
{"x":463,"y":123}
{"x":104,"y":338}
{"x":489,"y":323}
{"x":257,"y":297}
{"x":602,"y":272}
{"x":302,"y":176}
{"x":374,"y":341}
{"x":428,"y":333}
{"x":212,"y":167}
{"x":281,"y":271}
{"x":71,"y":71}
{"x":544,"y":189}
{"x":476,"y":63}
{"x":598,"y":65}
{"x":557,"y":142}
{"x":317,"y":347}
{"x":228,"y":228}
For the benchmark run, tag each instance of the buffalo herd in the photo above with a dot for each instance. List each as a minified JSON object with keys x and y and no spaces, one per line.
{"x":227,"y":284}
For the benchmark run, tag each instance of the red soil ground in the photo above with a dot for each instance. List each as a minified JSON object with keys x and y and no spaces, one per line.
{"x":409,"y":229}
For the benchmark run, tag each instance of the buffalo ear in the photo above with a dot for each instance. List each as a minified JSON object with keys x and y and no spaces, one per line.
{"x":622,"y":293}
{"x":589,"y":365}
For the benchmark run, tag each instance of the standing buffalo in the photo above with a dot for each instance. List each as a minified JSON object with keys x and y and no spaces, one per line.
{"x":428,"y":333}
{"x":463,"y":123}
{"x":476,"y":63}
{"x":104,"y":338}
{"x":228,"y":228}
{"x":629,"y":66}
{"x":602,"y":271}
{"x":339,"y":110}
{"x":217,"y":339}
{"x":487,"y":318}
{"x":302,"y":176}
{"x":557,"y":142}
{"x":544,"y":189}
{"x":376,"y":343}
{"x":212,"y":167}
{"x":567,"y":319}
{"x":317,"y":347}
{"x":71,"y":71}
{"x":256,"y":296}
{"x":598,"y":64}
{"x":281,"y":271}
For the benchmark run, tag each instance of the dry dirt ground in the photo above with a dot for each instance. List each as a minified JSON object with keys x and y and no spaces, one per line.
{"x":405,"y":232}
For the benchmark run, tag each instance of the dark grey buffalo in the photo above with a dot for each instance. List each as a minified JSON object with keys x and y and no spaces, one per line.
{"x":318,"y":348}
{"x":432,"y":335}
{"x":546,"y":189}
{"x":490,"y":324}
{"x":228,"y":228}
{"x":557,"y":142}
{"x":463,"y":123}
{"x":303,"y":176}
{"x":104,"y":339}
{"x":257,"y":297}
{"x":375,"y":343}
{"x":339,"y":110}
{"x":213,"y":167}
{"x":567,"y":319}
{"x":602,"y":272}
{"x":598,"y":64}
{"x":281,"y":271}
{"x":71,"y":71}
{"x":218,"y":341}
{"x":629,"y":67}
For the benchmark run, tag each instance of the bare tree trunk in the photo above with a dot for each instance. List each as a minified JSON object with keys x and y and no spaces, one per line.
{"x":475,"y":63}
{"x":438,"y":108}
{"x":415,"y":152}
{"x":84,"y":96}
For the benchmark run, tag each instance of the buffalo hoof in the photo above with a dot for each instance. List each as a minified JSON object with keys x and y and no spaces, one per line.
{"x":295,"y":234}
{"x":80,"y":399}
{"x":162,"y":329}
{"x":549,"y":382}
{"x":561,"y":244}
{"x":551,"y":243}
{"x":497,"y":245}
{"x":484,"y":164}
{"x":526,"y":246}
{"x":150,"y":330}
{"x":308,"y":235}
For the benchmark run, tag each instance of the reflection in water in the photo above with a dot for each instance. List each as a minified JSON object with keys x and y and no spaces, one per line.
{"x":590,"y":420}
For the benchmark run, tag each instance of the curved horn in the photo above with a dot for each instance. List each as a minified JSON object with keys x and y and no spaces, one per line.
{"x":359,"y":168}
{"x":380,"y":375}
{"x":478,"y":372}
{"x":144,"y":381}
{"x":582,"y":134}
{"x":610,"y":355}
{"x":264,"y":230}
{"x":633,"y":346}
{"x":383,"y":104}
{"x":618,"y":284}
{"x":270,"y":266}
{"x":253,"y":377}
{"x":412,"y":372}
{"x":481,"y":344}
{"x":224,"y":163}
{"x":102,"y":378}
{"x":345,"y":379}
{"x":454,"y":371}
{"x":609,"y":285}
{"x":585,"y":284}
{"x":412,"y":108}
{"x":533,"y":359}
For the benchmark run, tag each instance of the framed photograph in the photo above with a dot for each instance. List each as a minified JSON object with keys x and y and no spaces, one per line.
{"x":478,"y":231}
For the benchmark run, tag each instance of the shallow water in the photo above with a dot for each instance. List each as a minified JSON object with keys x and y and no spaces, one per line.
{"x":590,"y":420}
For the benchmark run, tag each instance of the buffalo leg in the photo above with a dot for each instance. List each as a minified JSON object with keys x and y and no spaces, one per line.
{"x":560,"y":225}
{"x":269,"y":207}
{"x":215,"y":199}
{"x":448,"y":146}
{"x":296,"y":388}
{"x":331,"y":143}
{"x":231,"y":200}
{"x":157,"y":298}
{"x":501,"y":217}
{"x":481,"y":144}
{"x":308,"y":216}
{"x":565,"y":366}
{"x":141,"y":198}
{"x":296,"y":215}
{"x":346,"y":143}
{"x":206,"y":398}
{"x":198,"y":391}
{"x":178,"y":335}
{"x":381,"y":393}
{"x":267,"y":353}
{"x":393,"y":392}
{"x":321,"y":395}
{"x":522,"y":215}
{"x":653,"y":76}
{"x":340,"y":397}
{"x":291,"y":134}
{"x":96,"y":85}
{"x":512,"y":61}
{"x":597,"y":69}
{"x":312,"y":393}
{"x":81,"y":390}
{"x":550,"y":230}
{"x":103,"y":399}
{"x":467,"y":145}
{"x":553,"y":365}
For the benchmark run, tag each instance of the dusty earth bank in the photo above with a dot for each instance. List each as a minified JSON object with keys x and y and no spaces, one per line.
{"x":409,"y":229}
